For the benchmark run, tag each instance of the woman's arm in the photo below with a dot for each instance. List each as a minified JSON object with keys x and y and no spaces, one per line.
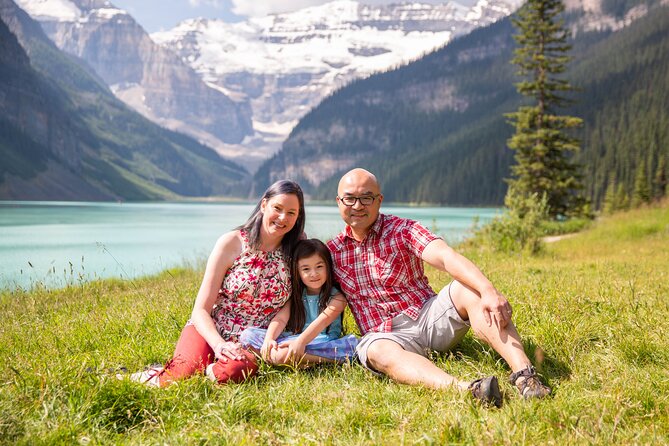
{"x":226,"y":250}
{"x":334,"y":308}
{"x":276,"y":326}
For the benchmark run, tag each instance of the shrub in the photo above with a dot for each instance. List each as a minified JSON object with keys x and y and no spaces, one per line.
{"x":519,"y":228}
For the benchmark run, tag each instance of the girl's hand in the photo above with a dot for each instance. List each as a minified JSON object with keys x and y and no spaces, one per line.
{"x":228,"y":350}
{"x":266,"y":349}
{"x":295,"y":351}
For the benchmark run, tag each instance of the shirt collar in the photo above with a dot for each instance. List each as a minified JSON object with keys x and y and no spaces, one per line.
{"x":376,"y":228}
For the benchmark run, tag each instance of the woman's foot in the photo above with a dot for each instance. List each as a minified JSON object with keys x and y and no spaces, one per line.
{"x":150,"y":377}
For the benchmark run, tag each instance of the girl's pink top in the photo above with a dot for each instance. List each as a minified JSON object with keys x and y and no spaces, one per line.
{"x":254,"y":289}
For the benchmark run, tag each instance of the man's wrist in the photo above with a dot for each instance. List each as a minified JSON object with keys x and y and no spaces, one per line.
{"x":488,"y":289}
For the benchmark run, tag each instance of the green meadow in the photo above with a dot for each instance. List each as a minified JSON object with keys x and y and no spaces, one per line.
{"x":593,"y":310}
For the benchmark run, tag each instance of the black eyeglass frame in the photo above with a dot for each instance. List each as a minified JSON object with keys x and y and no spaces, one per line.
{"x":360,"y":199}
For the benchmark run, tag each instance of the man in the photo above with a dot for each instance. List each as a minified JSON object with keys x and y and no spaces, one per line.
{"x":378,"y":262}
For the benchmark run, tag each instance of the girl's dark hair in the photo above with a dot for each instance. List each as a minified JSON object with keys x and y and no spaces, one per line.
{"x":254,"y":223}
{"x":303,"y":249}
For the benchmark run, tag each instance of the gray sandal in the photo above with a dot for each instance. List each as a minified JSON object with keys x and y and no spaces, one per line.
{"x":486,"y":390}
{"x":529,"y":386}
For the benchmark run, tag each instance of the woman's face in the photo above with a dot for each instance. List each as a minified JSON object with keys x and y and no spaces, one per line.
{"x":313,"y":273}
{"x":279,"y":214}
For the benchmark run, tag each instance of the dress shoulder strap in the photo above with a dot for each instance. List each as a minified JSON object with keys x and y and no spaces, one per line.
{"x":245,"y":240}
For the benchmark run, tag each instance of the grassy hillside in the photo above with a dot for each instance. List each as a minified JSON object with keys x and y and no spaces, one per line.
{"x":592,"y":309}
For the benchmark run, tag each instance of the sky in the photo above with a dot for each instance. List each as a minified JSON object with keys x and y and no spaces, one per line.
{"x":157,"y":15}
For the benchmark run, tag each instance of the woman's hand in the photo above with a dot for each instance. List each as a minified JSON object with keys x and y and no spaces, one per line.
{"x":266,"y":349}
{"x":228,"y":350}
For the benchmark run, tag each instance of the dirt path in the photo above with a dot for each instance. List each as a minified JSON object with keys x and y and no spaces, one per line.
{"x":555,"y":238}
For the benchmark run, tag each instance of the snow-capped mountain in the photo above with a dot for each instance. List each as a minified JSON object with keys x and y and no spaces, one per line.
{"x":285,"y":64}
{"x":259,"y":76}
{"x":597,"y":15}
{"x":146,"y":76}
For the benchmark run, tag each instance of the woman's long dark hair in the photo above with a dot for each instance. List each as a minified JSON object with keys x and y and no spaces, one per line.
{"x":254,"y":223}
{"x":304,"y":249}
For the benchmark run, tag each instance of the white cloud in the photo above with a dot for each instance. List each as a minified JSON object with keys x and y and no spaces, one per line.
{"x":260,"y":8}
{"x":256,"y":8}
{"x":213,"y":3}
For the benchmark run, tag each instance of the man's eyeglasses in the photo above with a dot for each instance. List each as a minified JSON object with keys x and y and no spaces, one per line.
{"x":365,"y":200}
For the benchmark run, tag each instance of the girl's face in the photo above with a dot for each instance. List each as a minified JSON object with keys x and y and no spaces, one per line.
{"x":279,"y":214}
{"x":313,"y":273}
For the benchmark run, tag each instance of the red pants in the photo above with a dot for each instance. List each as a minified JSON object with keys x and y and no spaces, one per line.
{"x":192,"y":355}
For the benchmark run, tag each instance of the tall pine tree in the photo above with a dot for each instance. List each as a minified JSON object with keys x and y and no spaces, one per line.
{"x":610,"y":205}
{"x":543,"y":149}
{"x":642,"y":192}
{"x":660,"y":181}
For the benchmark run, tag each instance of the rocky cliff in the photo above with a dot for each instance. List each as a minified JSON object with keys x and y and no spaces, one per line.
{"x":65,"y":136}
{"x":285,"y":64}
{"x":149,"y":78}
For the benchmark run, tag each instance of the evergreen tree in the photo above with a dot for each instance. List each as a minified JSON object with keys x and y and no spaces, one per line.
{"x":641,"y":194}
{"x":610,"y":204}
{"x":622,"y":199}
{"x":660,"y":180}
{"x":542,"y":146}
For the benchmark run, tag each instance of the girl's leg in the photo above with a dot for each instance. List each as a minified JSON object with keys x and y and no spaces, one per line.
{"x":252,"y":338}
{"x":280,"y":357}
{"x":338,"y":350}
{"x":320,"y":350}
{"x":191,"y":355}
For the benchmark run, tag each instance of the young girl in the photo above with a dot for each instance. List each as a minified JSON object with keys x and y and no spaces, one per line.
{"x":313,"y":313}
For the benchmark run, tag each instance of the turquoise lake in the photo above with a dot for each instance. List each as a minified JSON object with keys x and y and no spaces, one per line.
{"x":60,"y":243}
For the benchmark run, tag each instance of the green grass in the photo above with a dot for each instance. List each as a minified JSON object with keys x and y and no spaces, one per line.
{"x":593,"y":311}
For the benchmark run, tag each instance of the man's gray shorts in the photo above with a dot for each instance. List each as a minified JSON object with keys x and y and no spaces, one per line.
{"x":439,"y":327}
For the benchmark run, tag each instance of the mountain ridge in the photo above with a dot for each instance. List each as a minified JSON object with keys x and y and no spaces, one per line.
{"x":68,"y":137}
{"x":457,"y":154}
{"x":285,"y":64}
{"x":269,"y":70}
{"x":147,"y":77}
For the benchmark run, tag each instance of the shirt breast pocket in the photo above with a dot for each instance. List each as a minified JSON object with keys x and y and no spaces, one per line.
{"x":390,"y":268}
{"x":346,"y":278}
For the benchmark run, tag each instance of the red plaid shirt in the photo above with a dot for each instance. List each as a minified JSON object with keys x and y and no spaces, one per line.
{"x":383,"y":275}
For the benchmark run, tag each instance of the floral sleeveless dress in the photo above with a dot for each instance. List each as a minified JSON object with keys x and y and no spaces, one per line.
{"x":254,"y":289}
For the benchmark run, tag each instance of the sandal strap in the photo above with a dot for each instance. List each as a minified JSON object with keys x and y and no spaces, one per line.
{"x":527,"y":372}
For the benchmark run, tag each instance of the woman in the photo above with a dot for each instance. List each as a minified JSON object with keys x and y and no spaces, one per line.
{"x":246,"y":282}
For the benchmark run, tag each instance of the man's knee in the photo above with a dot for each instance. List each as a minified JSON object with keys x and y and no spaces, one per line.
{"x":464,"y":299}
{"x":381,"y":354}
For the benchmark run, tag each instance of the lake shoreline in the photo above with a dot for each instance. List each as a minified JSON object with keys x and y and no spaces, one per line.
{"x":56,"y":243}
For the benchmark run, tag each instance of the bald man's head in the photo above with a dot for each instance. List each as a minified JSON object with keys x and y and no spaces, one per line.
{"x":359,"y":176}
{"x":360,"y":189}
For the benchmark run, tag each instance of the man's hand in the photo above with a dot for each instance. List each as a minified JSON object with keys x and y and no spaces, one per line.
{"x":496,"y":308}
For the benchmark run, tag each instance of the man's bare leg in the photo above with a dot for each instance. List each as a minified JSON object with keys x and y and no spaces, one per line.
{"x":504,"y":340}
{"x":389,"y":358}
